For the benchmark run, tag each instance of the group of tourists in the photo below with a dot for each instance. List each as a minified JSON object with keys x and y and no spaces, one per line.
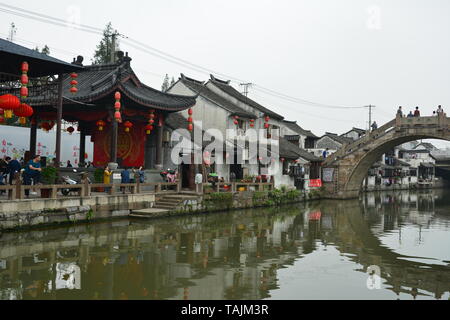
{"x":128,"y":176}
{"x":11,"y":169}
{"x":416,"y":112}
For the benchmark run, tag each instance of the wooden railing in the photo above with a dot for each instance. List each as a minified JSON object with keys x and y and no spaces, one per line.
{"x":17,"y":191}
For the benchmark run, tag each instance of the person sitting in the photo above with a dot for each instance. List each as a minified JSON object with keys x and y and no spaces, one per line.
{"x":411,"y":114}
{"x":13,"y":168}
{"x":32,"y":173}
{"x":417,"y":112}
{"x":69,"y":165}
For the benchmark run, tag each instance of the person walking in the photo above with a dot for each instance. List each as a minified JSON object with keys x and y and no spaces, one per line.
{"x":417,"y":112}
{"x":32,"y":173}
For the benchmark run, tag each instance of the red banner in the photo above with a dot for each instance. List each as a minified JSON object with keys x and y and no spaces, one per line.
{"x":130,"y":146}
{"x":317,"y":183}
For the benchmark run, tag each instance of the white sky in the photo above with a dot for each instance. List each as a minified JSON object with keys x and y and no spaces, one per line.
{"x":347,"y":53}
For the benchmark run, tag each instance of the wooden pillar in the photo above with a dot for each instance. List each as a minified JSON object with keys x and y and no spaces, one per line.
{"x":59,"y":120}
{"x":159,"y":143}
{"x":82,"y":144}
{"x":114,"y":137}
{"x":33,"y":138}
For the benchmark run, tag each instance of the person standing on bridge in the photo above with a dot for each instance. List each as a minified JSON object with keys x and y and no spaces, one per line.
{"x":411,"y":114}
{"x":439,"y":110}
{"x":417,"y":112}
{"x":400,"y":112}
{"x":374,"y":126}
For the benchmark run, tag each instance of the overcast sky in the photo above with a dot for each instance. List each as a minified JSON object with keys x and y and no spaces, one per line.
{"x":345,"y":53}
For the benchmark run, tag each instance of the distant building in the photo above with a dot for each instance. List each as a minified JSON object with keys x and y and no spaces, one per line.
{"x":354,"y":134}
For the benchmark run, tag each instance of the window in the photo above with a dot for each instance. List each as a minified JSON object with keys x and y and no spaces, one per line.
{"x":285,"y":168}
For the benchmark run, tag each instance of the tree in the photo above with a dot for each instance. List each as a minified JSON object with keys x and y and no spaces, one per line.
{"x":45,"y":50}
{"x":103,"y":53}
{"x":166,"y":85}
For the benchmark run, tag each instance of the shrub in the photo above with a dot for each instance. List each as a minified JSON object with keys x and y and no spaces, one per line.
{"x":49,"y":175}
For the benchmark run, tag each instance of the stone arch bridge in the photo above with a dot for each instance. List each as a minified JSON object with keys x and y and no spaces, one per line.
{"x":345,"y":170}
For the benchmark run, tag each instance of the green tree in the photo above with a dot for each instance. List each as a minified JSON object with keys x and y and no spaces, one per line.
{"x":166,"y":84}
{"x":45,"y":50}
{"x":103,"y":53}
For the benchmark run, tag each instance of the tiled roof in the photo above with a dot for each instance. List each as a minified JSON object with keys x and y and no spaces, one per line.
{"x":339,"y":139}
{"x":225,"y":87}
{"x":357,"y":130}
{"x":296,"y":128}
{"x":12,"y":55}
{"x":99,"y":81}
{"x":290,"y":150}
{"x":200,"y":88}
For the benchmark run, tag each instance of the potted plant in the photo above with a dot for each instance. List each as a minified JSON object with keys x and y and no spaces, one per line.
{"x":98,"y":178}
{"x":49,"y":176}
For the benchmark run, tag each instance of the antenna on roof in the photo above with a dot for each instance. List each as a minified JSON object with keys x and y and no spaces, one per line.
{"x":246,"y":87}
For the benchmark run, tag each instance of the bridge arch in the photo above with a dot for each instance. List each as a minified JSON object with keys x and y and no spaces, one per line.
{"x":352,"y":163}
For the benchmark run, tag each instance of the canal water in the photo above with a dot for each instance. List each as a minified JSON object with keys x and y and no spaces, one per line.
{"x":385,"y":246}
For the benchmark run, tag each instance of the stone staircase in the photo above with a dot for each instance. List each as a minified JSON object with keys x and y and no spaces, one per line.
{"x":163,"y":207}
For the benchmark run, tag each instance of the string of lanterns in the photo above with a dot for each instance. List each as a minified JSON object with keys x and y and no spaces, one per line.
{"x":117,"y":106}
{"x":266,"y":124}
{"x":24,"y":80}
{"x":73,"y":83}
{"x":252,"y":123}
{"x":190,"y":120}
{"x":149,"y":128}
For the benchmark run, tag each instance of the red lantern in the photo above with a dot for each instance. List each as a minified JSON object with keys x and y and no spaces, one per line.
{"x":24,"y":80}
{"x":128,"y":125}
{"x":117,"y":116}
{"x":236,"y":122}
{"x":70,"y":130}
{"x":190,"y":112}
{"x":190,"y":120}
{"x":73,"y":90}
{"x":100,"y":124}
{"x":9,"y":103}
{"x":117,"y":95}
{"x":190,"y":127}
{"x":46,"y":126}
{"x":148,"y":129}
{"x":267,"y":118}
{"x":23,"y":112}
{"x":266,"y":125}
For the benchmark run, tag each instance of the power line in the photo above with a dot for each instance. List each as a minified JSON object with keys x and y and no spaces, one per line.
{"x":157,"y":53}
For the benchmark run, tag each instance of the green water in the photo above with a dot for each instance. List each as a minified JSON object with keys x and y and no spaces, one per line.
{"x":319,"y":250}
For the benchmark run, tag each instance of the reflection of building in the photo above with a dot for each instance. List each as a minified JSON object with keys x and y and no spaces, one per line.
{"x":206,"y":257}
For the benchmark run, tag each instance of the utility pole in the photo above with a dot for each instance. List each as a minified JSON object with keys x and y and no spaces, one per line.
{"x":246,"y":87}
{"x":113,"y":46}
{"x":370,"y":115}
{"x":12,"y":32}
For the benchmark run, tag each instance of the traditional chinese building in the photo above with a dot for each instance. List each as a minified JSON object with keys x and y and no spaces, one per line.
{"x":124,"y":117}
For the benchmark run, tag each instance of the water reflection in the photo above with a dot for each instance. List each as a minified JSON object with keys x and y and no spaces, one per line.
{"x":290,"y":253}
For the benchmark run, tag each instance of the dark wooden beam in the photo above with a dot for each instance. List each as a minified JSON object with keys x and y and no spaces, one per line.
{"x":59,"y":120}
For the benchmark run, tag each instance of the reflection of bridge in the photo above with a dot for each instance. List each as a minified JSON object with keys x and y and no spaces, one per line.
{"x":399,"y":271}
{"x":352,"y":162}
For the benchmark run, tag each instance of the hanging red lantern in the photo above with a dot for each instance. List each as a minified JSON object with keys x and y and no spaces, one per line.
{"x":100,"y":124}
{"x":128,"y":125}
{"x":190,"y":127}
{"x":190,"y":112}
{"x":252,"y":123}
{"x":46,"y":126}
{"x":236,"y":122}
{"x":70,"y":130}
{"x":24,"y":111}
{"x":267,"y":118}
{"x":73,"y":83}
{"x":266,"y":126}
{"x":24,"y":80}
{"x":117,"y":106}
{"x":9,"y":103}
{"x":148,"y":129}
